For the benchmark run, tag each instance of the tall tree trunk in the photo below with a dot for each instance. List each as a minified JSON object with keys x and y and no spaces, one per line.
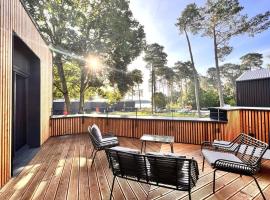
{"x":152,"y":90}
{"x":82,"y":90}
{"x":220,"y":90}
{"x":139,"y":96}
{"x":59,"y":64}
{"x":155,"y":90}
{"x":181,"y":92}
{"x":195,"y":76}
{"x":132,"y":93}
{"x":233,"y":81}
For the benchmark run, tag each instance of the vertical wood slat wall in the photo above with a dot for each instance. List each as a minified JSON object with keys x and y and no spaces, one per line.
{"x":256,"y":122}
{"x":14,"y":19}
{"x":193,"y":132}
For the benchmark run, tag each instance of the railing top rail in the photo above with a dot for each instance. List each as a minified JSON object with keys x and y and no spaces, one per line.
{"x":138,"y":117}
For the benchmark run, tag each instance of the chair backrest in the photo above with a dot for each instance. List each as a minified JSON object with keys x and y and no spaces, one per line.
{"x":178,"y":173}
{"x":249,"y":149}
{"x":93,"y":140}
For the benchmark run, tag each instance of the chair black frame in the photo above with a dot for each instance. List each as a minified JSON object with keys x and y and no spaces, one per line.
{"x":99,"y":145}
{"x":139,"y":170}
{"x":248,"y":149}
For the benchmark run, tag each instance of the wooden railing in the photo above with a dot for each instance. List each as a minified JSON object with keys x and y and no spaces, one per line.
{"x":186,"y":131}
{"x":256,"y":122}
{"x":193,"y":131}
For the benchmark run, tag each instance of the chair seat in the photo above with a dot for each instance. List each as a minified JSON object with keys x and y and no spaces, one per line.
{"x":242,"y":149}
{"x":213,"y":156}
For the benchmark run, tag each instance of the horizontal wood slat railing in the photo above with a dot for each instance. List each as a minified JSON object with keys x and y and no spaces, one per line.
{"x":194,"y":131}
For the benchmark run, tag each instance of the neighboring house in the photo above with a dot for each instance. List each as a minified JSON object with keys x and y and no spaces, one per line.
{"x":253,"y":88}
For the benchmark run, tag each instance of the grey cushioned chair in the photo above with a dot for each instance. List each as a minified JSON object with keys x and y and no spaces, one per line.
{"x":100,"y":142}
{"x":164,"y":171}
{"x":242,"y":156}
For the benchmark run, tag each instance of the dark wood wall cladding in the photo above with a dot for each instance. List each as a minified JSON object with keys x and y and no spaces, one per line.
{"x":254,"y":93}
{"x":193,"y":132}
{"x":14,"y":20}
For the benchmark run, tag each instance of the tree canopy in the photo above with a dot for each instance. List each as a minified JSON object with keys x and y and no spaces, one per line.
{"x":252,"y":61}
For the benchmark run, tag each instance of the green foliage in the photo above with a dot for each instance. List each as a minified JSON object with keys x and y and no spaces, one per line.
{"x":109,"y":93}
{"x":190,"y":19}
{"x":78,"y":28}
{"x":212,"y":76}
{"x":183,"y":70}
{"x":231,"y":72}
{"x":160,"y":100}
{"x":222,"y":20}
{"x":136,"y":76}
{"x":156,"y":60}
{"x":252,"y":61}
{"x":155,"y":57}
{"x":209,"y":98}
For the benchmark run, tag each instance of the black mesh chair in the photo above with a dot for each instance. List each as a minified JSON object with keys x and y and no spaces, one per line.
{"x":101,"y":143}
{"x":170,"y":172}
{"x":242,"y":156}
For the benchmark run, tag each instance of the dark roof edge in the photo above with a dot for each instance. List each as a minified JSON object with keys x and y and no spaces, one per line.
{"x":35,"y":24}
{"x":254,"y":79}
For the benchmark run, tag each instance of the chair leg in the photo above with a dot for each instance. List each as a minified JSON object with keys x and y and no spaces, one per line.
{"x":189,"y":194}
{"x":259,"y":187}
{"x":203,"y":164}
{"x":92,"y":152}
{"x":214,"y":181}
{"x":93,"y":158}
{"x":108,"y":159}
{"x":112,"y":187}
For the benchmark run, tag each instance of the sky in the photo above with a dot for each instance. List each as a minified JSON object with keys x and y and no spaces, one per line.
{"x":159,"y":17}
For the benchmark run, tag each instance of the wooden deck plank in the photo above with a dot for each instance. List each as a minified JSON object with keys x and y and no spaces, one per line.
{"x":83,"y":179}
{"x":10,"y":187}
{"x":251,"y":190}
{"x":101,"y":177}
{"x":93,"y":182}
{"x":62,"y":189}
{"x":24,"y":180}
{"x":51,"y":184}
{"x":73,"y":189}
{"x":62,"y":170}
{"x":117,"y":191}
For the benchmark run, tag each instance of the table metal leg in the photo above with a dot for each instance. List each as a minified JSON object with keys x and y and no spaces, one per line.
{"x":172,"y":147}
{"x":142,"y":147}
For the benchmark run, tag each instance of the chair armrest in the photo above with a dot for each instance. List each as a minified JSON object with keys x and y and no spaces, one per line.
{"x":107,"y":139}
{"x":216,"y":146}
{"x":107,"y":135}
{"x":206,"y":144}
{"x":236,"y":167}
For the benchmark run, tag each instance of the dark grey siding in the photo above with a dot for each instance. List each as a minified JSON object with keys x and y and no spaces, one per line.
{"x":253,"y":93}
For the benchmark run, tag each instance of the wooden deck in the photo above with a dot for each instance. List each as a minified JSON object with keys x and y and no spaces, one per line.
{"x":61,"y":170}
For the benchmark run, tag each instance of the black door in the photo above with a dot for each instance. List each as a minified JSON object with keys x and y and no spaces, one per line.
{"x":20,"y":117}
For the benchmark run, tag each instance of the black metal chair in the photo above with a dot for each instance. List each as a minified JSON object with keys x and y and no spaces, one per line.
{"x":242,"y":156}
{"x":170,"y":172}
{"x":100,"y":143}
